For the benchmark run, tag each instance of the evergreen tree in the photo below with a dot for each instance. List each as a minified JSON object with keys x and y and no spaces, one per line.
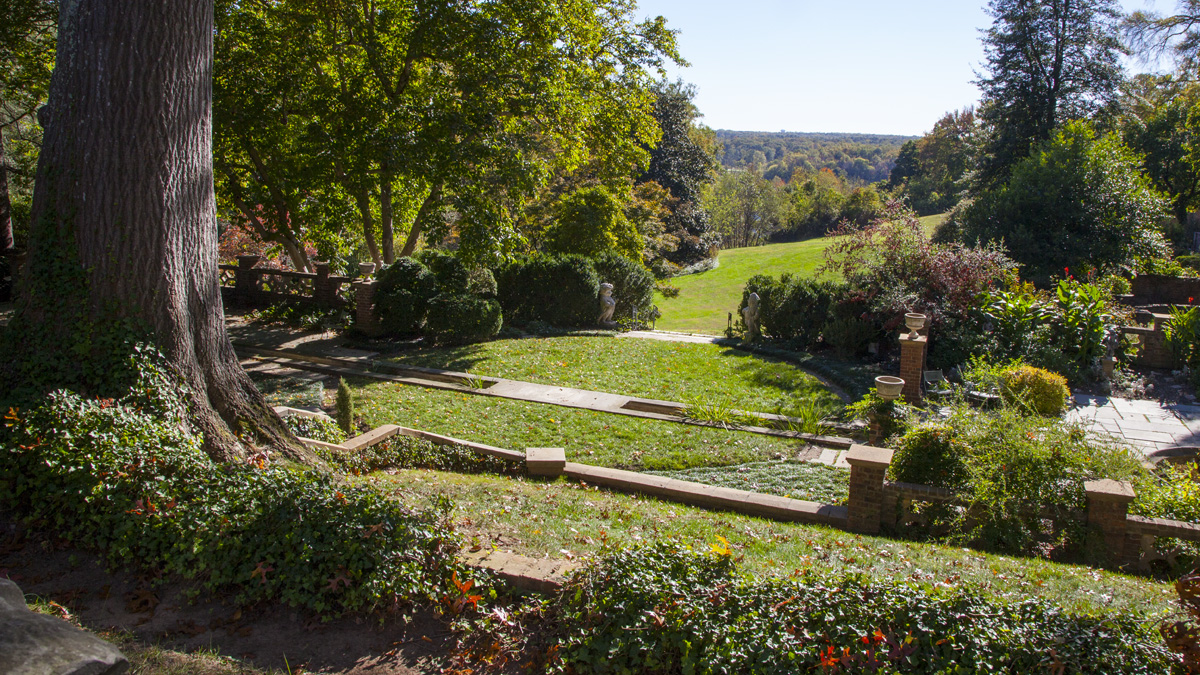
{"x":1048,"y":61}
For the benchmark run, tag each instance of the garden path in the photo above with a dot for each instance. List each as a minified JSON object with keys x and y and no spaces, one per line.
{"x":1144,"y":425}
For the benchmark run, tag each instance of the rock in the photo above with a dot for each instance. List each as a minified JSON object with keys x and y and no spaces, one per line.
{"x":36,"y":644}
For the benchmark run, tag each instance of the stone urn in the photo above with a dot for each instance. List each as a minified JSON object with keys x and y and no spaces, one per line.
{"x":366,"y":269}
{"x":888,"y":387}
{"x":915,"y":323}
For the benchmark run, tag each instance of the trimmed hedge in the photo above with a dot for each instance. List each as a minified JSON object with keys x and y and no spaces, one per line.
{"x":633,"y":285}
{"x":1036,"y":390}
{"x":665,"y":609}
{"x":559,"y":290}
{"x":463,"y":318}
{"x":402,"y":296}
{"x":792,"y":309}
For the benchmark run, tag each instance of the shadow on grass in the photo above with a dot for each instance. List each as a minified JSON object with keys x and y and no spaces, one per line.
{"x":461,"y":358}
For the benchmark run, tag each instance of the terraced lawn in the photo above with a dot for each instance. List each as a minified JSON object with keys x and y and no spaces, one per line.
{"x":602,"y":439}
{"x":565,"y":519}
{"x":673,"y":371}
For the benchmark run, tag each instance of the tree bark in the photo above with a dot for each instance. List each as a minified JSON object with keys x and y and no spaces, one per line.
{"x":387,"y":235}
{"x":7,"y":242}
{"x":124,"y":202}
{"x":363,"y":199}
{"x":432,"y":201}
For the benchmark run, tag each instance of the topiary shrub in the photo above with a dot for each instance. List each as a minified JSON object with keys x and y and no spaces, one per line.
{"x":462,"y":318}
{"x":345,"y":407}
{"x":402,"y":296}
{"x":633,"y":284}
{"x":930,"y":455}
{"x":1035,"y":390}
{"x":559,"y":290}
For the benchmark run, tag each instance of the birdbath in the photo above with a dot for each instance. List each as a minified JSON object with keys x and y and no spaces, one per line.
{"x":915,"y":323}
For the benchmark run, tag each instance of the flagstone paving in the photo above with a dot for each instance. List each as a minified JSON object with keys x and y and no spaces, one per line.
{"x":1144,"y":425}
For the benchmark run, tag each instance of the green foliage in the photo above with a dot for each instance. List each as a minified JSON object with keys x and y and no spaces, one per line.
{"x":893,"y":268}
{"x":404,"y":452}
{"x":321,"y":429}
{"x":1182,"y":332}
{"x":591,"y":221}
{"x":863,"y":158}
{"x":1047,"y":62}
{"x":1166,"y":133}
{"x":402,"y":296}
{"x":891,"y":415}
{"x":108,"y":476}
{"x":304,"y":316}
{"x":459,"y":319}
{"x":792,"y":309}
{"x":745,"y":208}
{"x":848,"y":335}
{"x":1079,"y":201}
{"x":930,"y":455}
{"x":666,"y":609}
{"x":1024,"y":477}
{"x":560,"y":290}
{"x":930,"y":171}
{"x":1065,"y":332}
{"x":1036,"y":390}
{"x":345,"y":407}
{"x":633,"y":285}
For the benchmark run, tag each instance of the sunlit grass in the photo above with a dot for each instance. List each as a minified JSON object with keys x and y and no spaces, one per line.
{"x":566,"y":520}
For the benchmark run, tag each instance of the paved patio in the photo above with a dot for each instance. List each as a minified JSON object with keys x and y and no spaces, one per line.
{"x":1146,"y":425}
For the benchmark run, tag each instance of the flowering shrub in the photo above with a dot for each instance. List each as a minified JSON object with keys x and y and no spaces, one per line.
{"x":665,"y":609}
{"x":897,"y":269}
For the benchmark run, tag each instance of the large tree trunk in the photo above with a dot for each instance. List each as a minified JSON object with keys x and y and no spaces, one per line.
{"x":431,"y":203}
{"x":7,"y":243}
{"x":124,"y":202}
{"x":363,"y":199}
{"x":387,"y":234}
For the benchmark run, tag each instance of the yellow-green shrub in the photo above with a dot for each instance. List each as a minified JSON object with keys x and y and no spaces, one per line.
{"x":1036,"y":390}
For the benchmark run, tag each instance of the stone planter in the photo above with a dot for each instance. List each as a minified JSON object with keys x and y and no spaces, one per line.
{"x":915,"y":323}
{"x":888,"y":387}
{"x":366,"y":269}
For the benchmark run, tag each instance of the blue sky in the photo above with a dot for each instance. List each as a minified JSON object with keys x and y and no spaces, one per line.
{"x":874,"y":66}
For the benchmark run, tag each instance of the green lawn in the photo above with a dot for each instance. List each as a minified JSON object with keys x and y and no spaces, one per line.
{"x":602,"y":439}
{"x":669,"y":371}
{"x":565,"y":519}
{"x":706,"y":299}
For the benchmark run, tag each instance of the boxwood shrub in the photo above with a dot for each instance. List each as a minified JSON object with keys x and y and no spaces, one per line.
{"x":792,"y":309}
{"x":463,"y":318}
{"x":633,"y":284}
{"x":109,"y":476}
{"x":666,"y":609}
{"x":559,"y":290}
{"x":402,"y":296}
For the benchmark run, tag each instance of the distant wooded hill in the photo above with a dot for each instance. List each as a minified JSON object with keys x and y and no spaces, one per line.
{"x":855,"y":157}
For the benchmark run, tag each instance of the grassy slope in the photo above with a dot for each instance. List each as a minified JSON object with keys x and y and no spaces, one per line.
{"x":564,"y":519}
{"x":705,"y":299}
{"x":648,"y":368}
{"x":592,"y":437}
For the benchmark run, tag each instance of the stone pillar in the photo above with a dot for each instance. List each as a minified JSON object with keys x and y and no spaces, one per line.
{"x":324,"y":292}
{"x":365,"y":318}
{"x":243,"y":278}
{"x":868,"y":470}
{"x":1107,"y":508}
{"x":912,"y":366}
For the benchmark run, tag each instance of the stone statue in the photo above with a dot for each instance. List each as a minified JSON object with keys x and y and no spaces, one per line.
{"x":750,"y":316}
{"x":607,"y":306}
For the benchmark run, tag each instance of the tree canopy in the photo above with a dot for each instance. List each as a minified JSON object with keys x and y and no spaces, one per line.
{"x":412,"y":117}
{"x":1047,"y":62}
